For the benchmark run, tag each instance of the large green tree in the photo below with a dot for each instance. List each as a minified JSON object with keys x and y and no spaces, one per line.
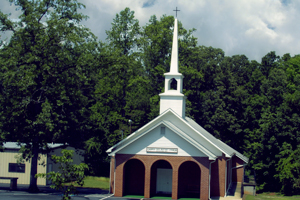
{"x":45,"y":69}
{"x":124,"y":32}
{"x":273,"y":121}
{"x":123,"y":37}
{"x":121,"y":90}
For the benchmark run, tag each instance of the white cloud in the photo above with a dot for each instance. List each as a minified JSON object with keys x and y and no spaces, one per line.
{"x":253,"y":27}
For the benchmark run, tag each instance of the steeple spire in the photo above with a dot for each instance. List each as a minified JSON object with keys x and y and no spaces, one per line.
{"x":173,"y":98}
{"x":174,"y":55}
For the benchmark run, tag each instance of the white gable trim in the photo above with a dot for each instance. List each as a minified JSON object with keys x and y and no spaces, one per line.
{"x":125,"y":145}
{"x":190,"y":140}
{"x":155,"y":120}
{"x":214,"y":141}
{"x":204,"y":137}
{"x":228,"y":151}
{"x":239,"y":155}
{"x":175,"y":130}
{"x":134,"y":136}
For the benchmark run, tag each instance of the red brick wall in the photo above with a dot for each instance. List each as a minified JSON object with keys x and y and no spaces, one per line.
{"x":236,"y":161}
{"x":217,"y":181}
{"x":237,"y":173}
{"x":175,"y":162}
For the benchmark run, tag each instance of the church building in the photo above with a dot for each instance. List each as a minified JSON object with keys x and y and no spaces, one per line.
{"x":172,"y":155}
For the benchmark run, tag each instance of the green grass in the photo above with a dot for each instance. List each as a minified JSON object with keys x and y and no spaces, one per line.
{"x":269,"y":196}
{"x":95,"y":182}
{"x":133,"y":196}
{"x":160,"y":197}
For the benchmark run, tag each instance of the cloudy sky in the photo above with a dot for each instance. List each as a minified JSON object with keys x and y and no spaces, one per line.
{"x":249,"y":27}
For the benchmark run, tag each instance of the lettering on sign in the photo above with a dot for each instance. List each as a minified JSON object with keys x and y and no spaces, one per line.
{"x":161,"y":150}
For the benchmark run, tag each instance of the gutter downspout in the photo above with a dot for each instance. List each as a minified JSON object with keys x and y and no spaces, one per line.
{"x":242,"y":193}
{"x":226,"y":177}
{"x":110,"y":175}
{"x":210,"y":177}
{"x":114,"y":174}
{"x":230,"y":175}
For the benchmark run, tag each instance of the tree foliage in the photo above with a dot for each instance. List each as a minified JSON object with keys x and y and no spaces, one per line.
{"x":44,"y":73}
{"x":68,"y":173}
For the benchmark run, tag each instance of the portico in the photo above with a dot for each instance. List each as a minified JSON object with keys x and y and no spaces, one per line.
{"x":160,"y":175}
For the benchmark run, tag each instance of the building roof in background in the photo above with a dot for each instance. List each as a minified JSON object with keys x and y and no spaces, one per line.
{"x":16,"y":145}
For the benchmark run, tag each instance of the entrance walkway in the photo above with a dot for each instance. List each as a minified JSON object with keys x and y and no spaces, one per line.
{"x":235,"y":193}
{"x":47,"y":193}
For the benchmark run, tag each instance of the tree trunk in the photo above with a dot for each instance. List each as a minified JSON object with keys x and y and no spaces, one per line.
{"x":33,"y":170}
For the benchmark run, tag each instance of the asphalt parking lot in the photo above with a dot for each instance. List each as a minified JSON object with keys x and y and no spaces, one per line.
{"x":50,"y":194}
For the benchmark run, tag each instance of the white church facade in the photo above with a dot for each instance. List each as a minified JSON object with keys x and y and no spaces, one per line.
{"x":172,"y":155}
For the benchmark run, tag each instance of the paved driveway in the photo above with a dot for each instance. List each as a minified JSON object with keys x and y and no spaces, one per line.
{"x":48,"y":193}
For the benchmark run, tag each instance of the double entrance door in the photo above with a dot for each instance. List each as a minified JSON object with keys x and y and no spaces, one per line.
{"x":164,"y":181}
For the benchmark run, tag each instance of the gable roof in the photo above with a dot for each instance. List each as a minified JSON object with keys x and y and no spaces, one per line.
{"x":226,"y":149}
{"x":199,"y":140}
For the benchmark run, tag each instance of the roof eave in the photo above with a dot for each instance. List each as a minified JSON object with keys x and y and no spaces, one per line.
{"x":139,"y":130}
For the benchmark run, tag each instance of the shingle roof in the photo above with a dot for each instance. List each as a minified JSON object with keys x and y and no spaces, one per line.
{"x":227,"y":150}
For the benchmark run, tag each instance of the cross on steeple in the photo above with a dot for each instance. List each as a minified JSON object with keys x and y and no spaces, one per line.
{"x":176,"y":11}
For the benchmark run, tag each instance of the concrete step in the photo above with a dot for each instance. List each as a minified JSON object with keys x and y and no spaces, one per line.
{"x":234,"y":192}
{"x":238,"y":191}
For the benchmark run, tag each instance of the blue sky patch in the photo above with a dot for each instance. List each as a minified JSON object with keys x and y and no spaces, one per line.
{"x":148,"y":3}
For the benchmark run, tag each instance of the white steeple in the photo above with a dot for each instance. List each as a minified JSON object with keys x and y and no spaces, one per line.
{"x":174,"y":55}
{"x":173,"y":98}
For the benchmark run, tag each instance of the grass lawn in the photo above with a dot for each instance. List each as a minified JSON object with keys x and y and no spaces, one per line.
{"x":133,"y":196}
{"x":160,"y":197}
{"x":269,"y":196}
{"x":96,"y":182}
